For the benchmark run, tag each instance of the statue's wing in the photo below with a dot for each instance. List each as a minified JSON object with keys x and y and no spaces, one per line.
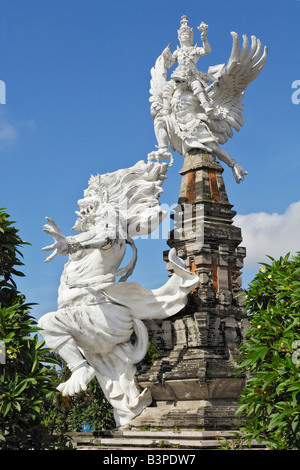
{"x":159,"y":78}
{"x":227,"y":91}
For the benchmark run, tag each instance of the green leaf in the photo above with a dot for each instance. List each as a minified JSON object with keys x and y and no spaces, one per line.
{"x":283,"y":294}
{"x":17,"y":405}
{"x":40,"y":344}
{"x":7,"y":407}
{"x":35,"y":365}
{"x":260,"y":353}
{"x":295,"y":423}
{"x":269,"y":409}
{"x":21,"y":386}
{"x":275,"y":422}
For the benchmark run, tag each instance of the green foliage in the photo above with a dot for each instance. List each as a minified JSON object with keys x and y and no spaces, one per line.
{"x":9,"y":258}
{"x":153,"y":353}
{"x":25,"y":375}
{"x":270,"y":402}
{"x":66,"y":414}
{"x":237,"y":442}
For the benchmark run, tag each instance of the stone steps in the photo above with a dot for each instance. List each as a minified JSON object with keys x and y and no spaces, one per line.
{"x":164,"y":440}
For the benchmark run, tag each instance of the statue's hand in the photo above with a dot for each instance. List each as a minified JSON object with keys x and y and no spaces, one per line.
{"x":60,"y":246}
{"x":166,"y":51}
{"x":168,"y":57}
{"x":203,"y":28}
{"x":164,"y":112}
{"x":203,"y":117}
{"x":239,"y":173}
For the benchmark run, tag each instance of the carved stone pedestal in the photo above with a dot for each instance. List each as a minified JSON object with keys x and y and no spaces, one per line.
{"x":192,"y":381}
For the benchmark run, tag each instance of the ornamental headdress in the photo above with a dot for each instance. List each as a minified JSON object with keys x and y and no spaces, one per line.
{"x":131,"y":193}
{"x":185,"y":28}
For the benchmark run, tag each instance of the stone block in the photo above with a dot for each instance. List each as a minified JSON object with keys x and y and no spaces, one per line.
{"x":203,"y":258}
{"x":223,"y":278}
{"x":180,"y":337}
{"x":166,"y":334}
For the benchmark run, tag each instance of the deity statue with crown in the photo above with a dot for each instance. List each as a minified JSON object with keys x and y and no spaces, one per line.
{"x":187,"y":56}
{"x":198,"y":110}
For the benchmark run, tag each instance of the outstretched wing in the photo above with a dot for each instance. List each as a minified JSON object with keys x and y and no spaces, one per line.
{"x":227,"y":91}
{"x":159,"y":78}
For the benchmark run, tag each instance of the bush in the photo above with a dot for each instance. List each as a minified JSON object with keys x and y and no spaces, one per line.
{"x":66,"y":414}
{"x":270,"y":402}
{"x":25,"y":369}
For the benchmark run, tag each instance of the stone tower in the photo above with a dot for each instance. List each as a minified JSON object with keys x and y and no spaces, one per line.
{"x":192,"y":380}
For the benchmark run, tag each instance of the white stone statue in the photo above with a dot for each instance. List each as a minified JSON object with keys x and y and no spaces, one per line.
{"x":198,"y":110}
{"x":98,"y":328}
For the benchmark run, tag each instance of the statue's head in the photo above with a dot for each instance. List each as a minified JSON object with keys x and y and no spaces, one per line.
{"x":181,"y":77}
{"x":88,"y":207}
{"x":92,"y":206}
{"x":185,"y":32}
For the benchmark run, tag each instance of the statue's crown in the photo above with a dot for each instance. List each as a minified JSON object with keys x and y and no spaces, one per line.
{"x":184,"y":26}
{"x":97,"y":187}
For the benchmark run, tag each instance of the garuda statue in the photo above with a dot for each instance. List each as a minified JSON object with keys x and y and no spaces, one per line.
{"x":198,"y":110}
{"x":98,"y":328}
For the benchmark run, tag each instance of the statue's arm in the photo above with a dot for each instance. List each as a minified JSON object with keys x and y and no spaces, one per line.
{"x":93,"y":239}
{"x":205,"y":49}
{"x":169,"y":58}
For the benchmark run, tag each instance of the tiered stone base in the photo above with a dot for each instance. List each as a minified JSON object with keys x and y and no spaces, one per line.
{"x":192,"y":414}
{"x":167,"y":441}
{"x":192,"y":382}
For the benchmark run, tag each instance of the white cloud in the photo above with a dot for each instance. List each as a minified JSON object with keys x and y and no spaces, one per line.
{"x":270,"y":234}
{"x":29,"y":124}
{"x":8,"y":133}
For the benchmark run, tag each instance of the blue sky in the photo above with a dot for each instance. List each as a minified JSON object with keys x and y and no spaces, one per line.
{"x":77,"y":76}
